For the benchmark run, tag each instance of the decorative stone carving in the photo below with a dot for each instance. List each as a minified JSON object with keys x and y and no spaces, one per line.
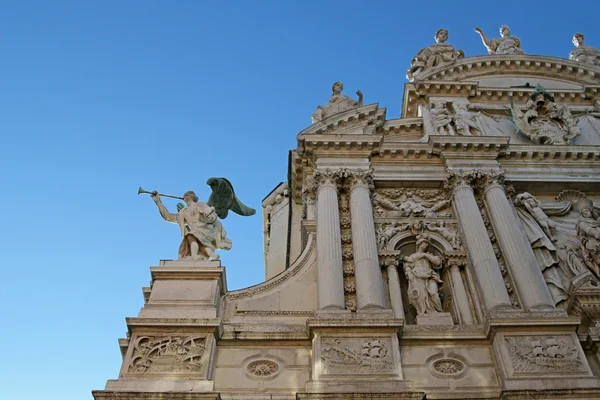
{"x":437,"y":120}
{"x":451,"y":367}
{"x":355,"y":178}
{"x":337,"y":103}
{"x":466,"y":119}
{"x":328,"y":177}
{"x":544,"y":354}
{"x":506,"y":44}
{"x":387,"y":231}
{"x":201,"y":231}
{"x":541,"y":232}
{"x":544,"y":121}
{"x":582,"y":53}
{"x":406,"y":203}
{"x":423,"y":281}
{"x":434,"y":56}
{"x":446,"y":230}
{"x":588,"y":232}
{"x":262,"y":369}
{"x":167,"y":354}
{"x":357,"y":356}
{"x":458,"y":179}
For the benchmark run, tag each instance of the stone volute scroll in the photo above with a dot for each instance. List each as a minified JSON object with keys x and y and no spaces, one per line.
{"x":435,"y":55}
{"x":337,"y":103}
{"x":506,"y":44}
{"x":201,"y":231}
{"x":544,"y":121}
{"x":583,"y":53}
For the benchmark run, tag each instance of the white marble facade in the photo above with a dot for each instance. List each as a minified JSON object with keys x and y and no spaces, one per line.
{"x":452,"y":253}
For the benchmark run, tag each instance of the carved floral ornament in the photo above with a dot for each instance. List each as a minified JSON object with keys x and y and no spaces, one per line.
{"x":262,"y":368}
{"x":451,"y":366}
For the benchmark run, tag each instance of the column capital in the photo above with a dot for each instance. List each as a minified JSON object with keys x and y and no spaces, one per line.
{"x":488,"y":179}
{"x":359,"y":177}
{"x":455,"y":259}
{"x":389,"y":258}
{"x":459,"y":179}
{"x":327,"y":177}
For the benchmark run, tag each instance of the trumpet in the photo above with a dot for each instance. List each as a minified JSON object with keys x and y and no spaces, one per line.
{"x":142,"y":191}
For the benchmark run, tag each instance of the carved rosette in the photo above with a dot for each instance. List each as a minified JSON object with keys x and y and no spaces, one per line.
{"x":450,"y":366}
{"x":262,"y":369}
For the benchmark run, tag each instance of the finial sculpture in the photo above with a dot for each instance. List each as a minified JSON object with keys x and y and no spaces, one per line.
{"x":337,"y":103}
{"x":506,"y":44}
{"x":582,"y":53}
{"x":435,"y":55}
{"x":201,"y":231}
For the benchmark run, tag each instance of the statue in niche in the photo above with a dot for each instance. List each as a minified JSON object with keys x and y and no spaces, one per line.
{"x":437,"y":121}
{"x":588,"y":232}
{"x":446,"y":232}
{"x":506,"y":44}
{"x":435,"y":55}
{"x":423,"y":281}
{"x":541,"y":232}
{"x":337,"y":103}
{"x":201,"y":231}
{"x":582,"y":53}
{"x":465,"y":119}
{"x":544,"y":122}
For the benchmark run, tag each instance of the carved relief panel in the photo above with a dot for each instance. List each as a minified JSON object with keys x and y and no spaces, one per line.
{"x":526,"y":356}
{"x":186,"y":356}
{"x":356,"y":357}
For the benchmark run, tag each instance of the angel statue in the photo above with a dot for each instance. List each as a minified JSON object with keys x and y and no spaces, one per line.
{"x":201,"y":231}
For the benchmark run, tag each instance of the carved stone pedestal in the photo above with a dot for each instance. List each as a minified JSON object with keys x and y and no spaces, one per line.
{"x":356,"y":353}
{"x":171,"y":345}
{"x":435,"y":319}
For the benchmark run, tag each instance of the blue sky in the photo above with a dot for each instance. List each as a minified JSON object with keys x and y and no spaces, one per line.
{"x":97,"y":98}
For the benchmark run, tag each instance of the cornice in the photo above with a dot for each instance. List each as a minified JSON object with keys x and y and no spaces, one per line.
{"x":529,"y":65}
{"x":524,"y":152}
{"x":349,"y":120}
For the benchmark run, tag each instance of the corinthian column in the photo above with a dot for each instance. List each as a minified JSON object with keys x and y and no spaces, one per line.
{"x":481,"y":253}
{"x":369,"y":284}
{"x":330,"y":274}
{"x":515,"y":246}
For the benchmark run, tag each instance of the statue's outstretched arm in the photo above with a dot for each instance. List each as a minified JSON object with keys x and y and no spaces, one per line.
{"x":486,"y":41}
{"x":169,"y":217}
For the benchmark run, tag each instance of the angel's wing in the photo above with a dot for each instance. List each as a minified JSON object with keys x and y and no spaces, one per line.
{"x":518,"y":119}
{"x":223,"y":199}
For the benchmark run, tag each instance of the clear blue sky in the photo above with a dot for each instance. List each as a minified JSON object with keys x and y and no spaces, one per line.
{"x":97,"y":98}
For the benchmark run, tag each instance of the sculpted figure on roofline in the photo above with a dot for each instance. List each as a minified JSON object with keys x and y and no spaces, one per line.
{"x":506,"y":44}
{"x":337,"y":103}
{"x":437,"y":54}
{"x":582,"y":53}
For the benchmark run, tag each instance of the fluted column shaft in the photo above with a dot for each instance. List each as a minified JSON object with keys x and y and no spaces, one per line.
{"x":516,"y":249}
{"x":330,"y":274}
{"x":460,"y":295}
{"x":390,"y":262}
{"x":369,"y":283}
{"x":481,"y":253}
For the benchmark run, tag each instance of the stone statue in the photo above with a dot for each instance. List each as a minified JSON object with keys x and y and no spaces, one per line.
{"x":541,"y":232}
{"x":447,"y":233}
{"x":465,"y":119}
{"x":582,"y":53}
{"x":435,"y":55}
{"x":544,"y":121}
{"x":337,"y":103}
{"x":437,"y":121}
{"x":388,"y":231}
{"x":423,"y":281}
{"x":201,"y":231}
{"x":588,"y":232}
{"x":383,"y":204}
{"x":506,"y":44}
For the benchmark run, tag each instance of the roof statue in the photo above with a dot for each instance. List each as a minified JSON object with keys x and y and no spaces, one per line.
{"x":544,"y":121}
{"x":201,"y":231}
{"x":506,"y":44}
{"x":583,"y":53}
{"x":337,"y":103}
{"x":435,"y":55}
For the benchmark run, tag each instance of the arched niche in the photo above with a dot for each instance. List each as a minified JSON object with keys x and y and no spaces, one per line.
{"x":405,"y":242}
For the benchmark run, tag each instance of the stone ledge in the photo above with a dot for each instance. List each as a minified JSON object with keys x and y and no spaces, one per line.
{"x":114,"y":395}
{"x":362,"y":396}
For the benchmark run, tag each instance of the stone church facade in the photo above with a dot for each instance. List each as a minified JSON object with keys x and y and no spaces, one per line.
{"x":452,"y":253}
